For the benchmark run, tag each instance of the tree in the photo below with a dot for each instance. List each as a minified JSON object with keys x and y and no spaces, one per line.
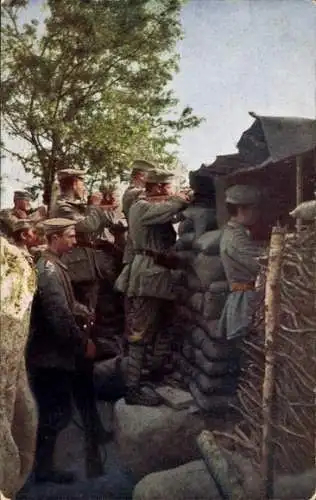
{"x":92,"y":88}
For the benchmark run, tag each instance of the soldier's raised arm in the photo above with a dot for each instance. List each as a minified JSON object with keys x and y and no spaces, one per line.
{"x":160,"y":213}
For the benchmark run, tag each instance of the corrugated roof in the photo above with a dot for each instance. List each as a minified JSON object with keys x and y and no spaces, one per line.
{"x":273,"y":138}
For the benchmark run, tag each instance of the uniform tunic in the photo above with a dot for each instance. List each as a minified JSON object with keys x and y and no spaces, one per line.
{"x":149,"y":287}
{"x":56,"y":339}
{"x":88,"y":220}
{"x":131,"y":194}
{"x":151,"y":228}
{"x":238,"y":252}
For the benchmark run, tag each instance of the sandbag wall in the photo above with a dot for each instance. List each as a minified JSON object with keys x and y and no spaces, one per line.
{"x":206,"y":360}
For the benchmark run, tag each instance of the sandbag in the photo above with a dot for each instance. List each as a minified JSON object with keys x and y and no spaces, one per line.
{"x":217,"y":385}
{"x":214,"y":403}
{"x":213,"y":305}
{"x":185,"y":242}
{"x":199,"y":335}
{"x":211,"y":368}
{"x":219,"y":287}
{"x":188,"y":351}
{"x":216,"y":350}
{"x":208,"y":243}
{"x":185,"y":226}
{"x":203,"y":218}
{"x":196,"y":301}
{"x":208,"y":269}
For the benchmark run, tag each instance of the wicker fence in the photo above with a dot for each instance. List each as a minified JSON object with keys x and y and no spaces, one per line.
{"x":293,"y":416}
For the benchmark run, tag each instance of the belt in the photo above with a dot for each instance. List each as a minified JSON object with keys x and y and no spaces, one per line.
{"x":242,"y":287}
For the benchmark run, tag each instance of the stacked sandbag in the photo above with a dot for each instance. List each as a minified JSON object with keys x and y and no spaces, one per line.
{"x":206,"y":360}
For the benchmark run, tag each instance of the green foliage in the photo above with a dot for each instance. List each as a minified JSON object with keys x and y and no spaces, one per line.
{"x":92,"y":89}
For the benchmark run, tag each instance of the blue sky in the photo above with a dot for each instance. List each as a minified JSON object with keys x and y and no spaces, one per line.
{"x":236,"y":56}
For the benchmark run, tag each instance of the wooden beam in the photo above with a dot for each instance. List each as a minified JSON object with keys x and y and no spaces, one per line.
{"x":272,"y":325}
{"x":299,"y":188}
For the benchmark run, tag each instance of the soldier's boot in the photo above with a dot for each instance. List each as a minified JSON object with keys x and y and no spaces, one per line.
{"x":44,"y":470}
{"x":135,"y":393}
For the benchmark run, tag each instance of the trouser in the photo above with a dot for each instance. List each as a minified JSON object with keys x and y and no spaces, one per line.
{"x":147,"y":322}
{"x":54,"y":390}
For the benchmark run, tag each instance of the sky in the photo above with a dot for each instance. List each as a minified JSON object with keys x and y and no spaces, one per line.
{"x":236,"y":56}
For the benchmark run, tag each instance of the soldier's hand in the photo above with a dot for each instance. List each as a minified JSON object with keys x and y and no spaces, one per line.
{"x":95,"y":199}
{"x":183,"y":196}
{"x":21,"y":213}
{"x":91,"y":349}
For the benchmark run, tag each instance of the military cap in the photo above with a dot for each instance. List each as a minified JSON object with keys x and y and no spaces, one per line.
{"x":71,"y":172}
{"x":242,"y":194}
{"x":142,"y":166}
{"x":21,"y":225}
{"x":57,"y":225}
{"x":159,"y":177}
{"x":22,"y":195}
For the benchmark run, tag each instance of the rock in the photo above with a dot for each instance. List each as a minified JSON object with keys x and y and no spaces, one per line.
{"x":175,"y":398}
{"x":70,"y":444}
{"x":187,"y":482}
{"x":151,"y":439}
{"x":192,"y":481}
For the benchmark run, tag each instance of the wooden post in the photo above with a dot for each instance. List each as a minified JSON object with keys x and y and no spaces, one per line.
{"x":224,"y":473}
{"x":299,"y":188}
{"x":272,"y":316}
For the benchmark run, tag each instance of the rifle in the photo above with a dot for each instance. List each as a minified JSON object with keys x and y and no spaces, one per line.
{"x":94,"y":433}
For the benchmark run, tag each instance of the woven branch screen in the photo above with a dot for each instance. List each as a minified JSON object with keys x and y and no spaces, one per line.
{"x":293,"y":421}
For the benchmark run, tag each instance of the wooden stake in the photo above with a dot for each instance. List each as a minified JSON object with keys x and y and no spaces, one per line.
{"x":272,"y":317}
{"x":224,"y":473}
{"x":299,"y":188}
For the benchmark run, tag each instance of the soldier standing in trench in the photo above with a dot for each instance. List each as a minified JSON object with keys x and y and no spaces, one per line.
{"x":55,"y":347}
{"x":150,"y":286}
{"x":90,"y":221}
{"x":134,"y":191}
{"x":239,"y":253}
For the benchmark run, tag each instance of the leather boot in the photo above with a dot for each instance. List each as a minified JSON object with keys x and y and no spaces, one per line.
{"x":135,"y":393}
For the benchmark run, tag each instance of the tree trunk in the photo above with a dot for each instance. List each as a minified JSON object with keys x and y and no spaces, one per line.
{"x":272,"y":318}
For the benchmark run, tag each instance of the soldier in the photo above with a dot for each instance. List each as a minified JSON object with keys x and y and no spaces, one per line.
{"x":21,"y":210}
{"x":24,"y":237}
{"x":109,"y":204}
{"x":150,"y":285}
{"x":136,"y":187}
{"x":72,"y":205}
{"x":239,"y":253}
{"x":56,"y":346}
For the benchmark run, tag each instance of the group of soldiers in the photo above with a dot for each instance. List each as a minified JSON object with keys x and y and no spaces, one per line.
{"x":61,"y":353}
